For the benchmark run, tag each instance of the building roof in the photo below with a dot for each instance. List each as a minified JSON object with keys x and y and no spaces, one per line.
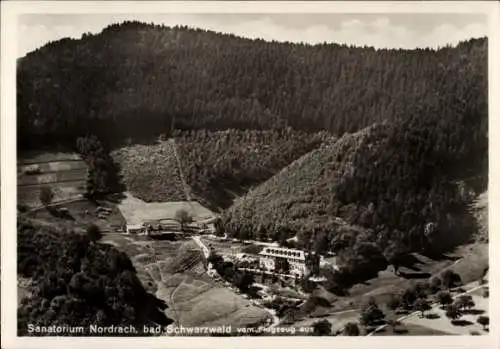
{"x":283,"y":252}
{"x":134,"y":226}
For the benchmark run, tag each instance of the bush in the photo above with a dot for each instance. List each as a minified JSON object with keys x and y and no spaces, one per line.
{"x":451,"y":279}
{"x":464,"y":301}
{"x":483,"y":321}
{"x":394,"y":302}
{"x":435,"y":284}
{"x":444,"y":298}
{"x":351,"y":329}
{"x":46,"y":195}
{"x":371,"y":315}
{"x":94,"y":233}
{"x":322,"y":328}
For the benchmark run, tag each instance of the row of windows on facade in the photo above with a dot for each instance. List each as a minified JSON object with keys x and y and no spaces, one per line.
{"x":284,"y":253}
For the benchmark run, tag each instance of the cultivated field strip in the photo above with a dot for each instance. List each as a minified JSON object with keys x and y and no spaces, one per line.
{"x":54,"y":166}
{"x":64,"y":173}
{"x":54,"y":177}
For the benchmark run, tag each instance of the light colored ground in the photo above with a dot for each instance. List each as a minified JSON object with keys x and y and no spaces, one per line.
{"x":338,"y":320}
{"x":193,"y":298}
{"x":444,"y":324}
{"x":136,"y":211}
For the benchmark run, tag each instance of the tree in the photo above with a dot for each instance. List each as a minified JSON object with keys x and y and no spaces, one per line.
{"x":46,"y":195}
{"x":322,"y":328}
{"x":422,"y":305}
{"x":243,"y":280}
{"x":450,"y":279}
{"x":453,"y":312}
{"x":394,"y":254}
{"x":394,"y":302}
{"x":444,"y":298}
{"x":282,"y":265}
{"x":351,"y":329}
{"x":435,"y":284}
{"x":409,"y":297}
{"x":183,"y":217}
{"x":483,"y":321}
{"x":371,"y":314}
{"x":94,"y":233}
{"x":465,"y":301}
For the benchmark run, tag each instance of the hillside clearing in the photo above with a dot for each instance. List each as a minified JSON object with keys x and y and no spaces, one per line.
{"x":137,"y":211}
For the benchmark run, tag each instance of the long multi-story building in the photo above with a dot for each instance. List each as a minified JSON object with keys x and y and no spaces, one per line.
{"x":274,"y":258}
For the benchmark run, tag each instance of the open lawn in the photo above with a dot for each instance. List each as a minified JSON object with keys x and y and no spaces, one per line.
{"x":462,"y":326}
{"x":137,"y":211}
{"x":469,"y":261}
{"x":411,"y":330}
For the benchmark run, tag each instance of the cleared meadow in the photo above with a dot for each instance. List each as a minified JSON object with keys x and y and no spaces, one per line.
{"x":136,"y":211}
{"x":175,"y":272}
{"x":64,"y":173}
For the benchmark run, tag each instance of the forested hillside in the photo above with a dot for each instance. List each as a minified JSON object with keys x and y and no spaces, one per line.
{"x":133,"y":80}
{"x":224,"y":164}
{"x":409,"y":180}
{"x":399,"y":184}
{"x":78,"y":282}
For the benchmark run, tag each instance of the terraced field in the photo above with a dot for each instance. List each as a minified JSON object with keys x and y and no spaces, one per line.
{"x":64,"y":173}
{"x":175,"y":271}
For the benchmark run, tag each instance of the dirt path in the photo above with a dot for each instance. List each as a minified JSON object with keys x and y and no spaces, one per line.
{"x":185,"y":187}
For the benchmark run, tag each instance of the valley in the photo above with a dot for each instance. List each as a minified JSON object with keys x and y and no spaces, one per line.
{"x":222,"y":181}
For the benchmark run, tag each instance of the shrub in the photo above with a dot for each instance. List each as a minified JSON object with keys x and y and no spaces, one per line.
{"x":435,"y":284}
{"x":46,"y":196}
{"x":351,"y":329}
{"x":483,"y":321}
{"x":322,"y":328}
{"x":444,"y":298}
{"x":451,"y":279}
{"x":371,"y":315}
{"x":94,"y":233}
{"x":394,"y":302}
{"x":465,"y":301}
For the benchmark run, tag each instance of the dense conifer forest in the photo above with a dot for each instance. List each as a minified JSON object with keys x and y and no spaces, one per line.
{"x":77,"y":282}
{"x":137,"y":80}
{"x":394,"y":142}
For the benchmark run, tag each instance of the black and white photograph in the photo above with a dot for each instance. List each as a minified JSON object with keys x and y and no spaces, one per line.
{"x":249,"y":174}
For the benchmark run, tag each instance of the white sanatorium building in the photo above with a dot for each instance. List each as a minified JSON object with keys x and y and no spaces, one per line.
{"x":296,"y":259}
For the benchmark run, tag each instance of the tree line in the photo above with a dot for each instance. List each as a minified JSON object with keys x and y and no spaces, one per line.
{"x":79,"y":282}
{"x":141,"y":80}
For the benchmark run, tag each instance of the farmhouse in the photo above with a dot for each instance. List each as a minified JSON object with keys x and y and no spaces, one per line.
{"x":273,"y":258}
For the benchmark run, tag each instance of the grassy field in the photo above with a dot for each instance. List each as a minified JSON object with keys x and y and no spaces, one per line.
{"x":64,"y":173}
{"x":471,"y":262}
{"x":79,"y":219}
{"x":137,"y":211}
{"x":175,"y":272}
{"x":411,"y":330}
{"x":465,"y":324}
